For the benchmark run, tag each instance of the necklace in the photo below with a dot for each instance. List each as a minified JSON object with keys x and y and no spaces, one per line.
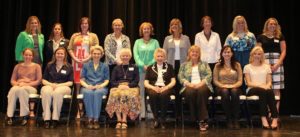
{"x":125,"y":72}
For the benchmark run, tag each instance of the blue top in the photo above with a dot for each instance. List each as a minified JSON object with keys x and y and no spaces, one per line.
{"x":92,"y":76}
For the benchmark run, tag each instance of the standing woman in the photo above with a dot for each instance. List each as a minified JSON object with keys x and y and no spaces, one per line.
{"x":143,"y":52}
{"x":228,"y":77}
{"x":94,"y":79}
{"x":25,"y":78}
{"x":176,"y":45}
{"x":57,"y":80}
{"x":241,"y":40}
{"x":273,"y":43}
{"x":159,"y":81}
{"x":79,"y":50}
{"x":56,"y":40}
{"x":113,"y":44}
{"x":259,"y":81}
{"x":32,"y":38}
{"x":195,"y":75}
{"x":209,"y":42}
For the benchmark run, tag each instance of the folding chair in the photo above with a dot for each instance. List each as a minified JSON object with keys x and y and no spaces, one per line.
{"x":171,"y":109}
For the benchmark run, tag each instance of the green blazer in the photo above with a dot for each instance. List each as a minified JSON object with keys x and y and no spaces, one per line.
{"x":25,"y":40}
{"x":185,"y":73}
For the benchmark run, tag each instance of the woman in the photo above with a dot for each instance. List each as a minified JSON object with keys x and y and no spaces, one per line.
{"x":79,"y":50}
{"x":94,"y":79}
{"x":176,"y":45}
{"x":195,"y":75}
{"x":56,"y":40}
{"x":124,"y":97}
{"x":113,"y":44}
{"x":32,"y":38}
{"x":228,"y":78}
{"x":259,"y":81}
{"x":57,"y":79}
{"x":143,"y":55}
{"x":159,"y":81}
{"x":209,"y":42}
{"x":25,"y":78}
{"x":241,"y":40}
{"x":273,"y":43}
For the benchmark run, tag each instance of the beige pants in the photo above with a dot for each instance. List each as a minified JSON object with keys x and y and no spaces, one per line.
{"x":55,"y":96}
{"x":21,"y":93}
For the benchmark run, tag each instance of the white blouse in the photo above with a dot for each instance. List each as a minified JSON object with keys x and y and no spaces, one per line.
{"x":210,"y":49}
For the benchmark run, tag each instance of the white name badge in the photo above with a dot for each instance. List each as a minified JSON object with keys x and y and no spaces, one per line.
{"x":63,"y":71}
{"x":131,"y":68}
{"x":276,"y":40}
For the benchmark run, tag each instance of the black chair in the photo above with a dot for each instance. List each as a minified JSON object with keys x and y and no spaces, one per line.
{"x":171,"y":112}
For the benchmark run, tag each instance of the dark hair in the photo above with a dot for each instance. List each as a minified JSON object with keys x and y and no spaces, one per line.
{"x":232,"y":60}
{"x":52,"y":31}
{"x":53,"y":56}
{"x":88,"y":20}
{"x":206,"y":17}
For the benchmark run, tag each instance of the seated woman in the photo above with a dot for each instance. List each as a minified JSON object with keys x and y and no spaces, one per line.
{"x":124,"y":99}
{"x":94,"y":79}
{"x":25,"y":78}
{"x":259,"y":81}
{"x":159,"y":81}
{"x":57,"y":79}
{"x":228,"y":77}
{"x":195,"y":75}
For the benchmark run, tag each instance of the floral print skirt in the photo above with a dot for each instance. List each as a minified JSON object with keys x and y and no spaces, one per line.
{"x":127,"y":101}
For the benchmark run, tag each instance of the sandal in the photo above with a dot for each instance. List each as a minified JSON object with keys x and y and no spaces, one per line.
{"x":119,"y":125}
{"x":124,"y":125}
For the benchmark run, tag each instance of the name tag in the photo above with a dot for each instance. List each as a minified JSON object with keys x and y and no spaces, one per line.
{"x":170,"y":40}
{"x":61,"y":43}
{"x":63,"y":72}
{"x":276,"y":40}
{"x":131,"y":68}
{"x":164,"y":71}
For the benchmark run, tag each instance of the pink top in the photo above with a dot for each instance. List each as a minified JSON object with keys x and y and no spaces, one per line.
{"x":31,"y":74}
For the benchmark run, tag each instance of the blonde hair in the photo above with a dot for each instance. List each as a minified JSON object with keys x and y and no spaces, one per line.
{"x":124,"y":51}
{"x":234,"y":24}
{"x":255,"y":50}
{"x":29,"y":20}
{"x":175,"y":21}
{"x":277,"y":30}
{"x":97,"y":47}
{"x":144,"y":24}
{"x":194,"y":48}
{"x":160,"y":50}
{"x":117,"y":20}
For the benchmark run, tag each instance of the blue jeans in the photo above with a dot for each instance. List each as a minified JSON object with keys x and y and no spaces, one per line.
{"x":93,"y":101}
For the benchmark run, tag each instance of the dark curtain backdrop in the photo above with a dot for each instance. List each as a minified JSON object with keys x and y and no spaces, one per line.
{"x":14,"y":14}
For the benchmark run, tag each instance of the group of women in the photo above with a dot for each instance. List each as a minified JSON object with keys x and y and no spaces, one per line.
{"x":197,"y":71}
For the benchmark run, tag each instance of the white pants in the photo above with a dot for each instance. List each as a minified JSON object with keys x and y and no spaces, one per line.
{"x":57,"y":95}
{"x":21,"y":93}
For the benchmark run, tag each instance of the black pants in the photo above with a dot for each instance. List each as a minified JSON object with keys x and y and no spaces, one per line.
{"x":230,"y":102}
{"x":197,"y":100}
{"x":159,"y":102}
{"x":266,"y":99}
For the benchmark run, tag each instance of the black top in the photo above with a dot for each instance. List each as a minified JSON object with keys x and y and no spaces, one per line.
{"x":48,"y":50}
{"x":65,"y":74}
{"x":125,"y":73}
{"x":270,"y":44}
{"x":152,"y":75}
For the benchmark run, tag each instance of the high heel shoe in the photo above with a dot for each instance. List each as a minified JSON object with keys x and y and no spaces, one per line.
{"x":274,"y":127}
{"x":266,"y":127}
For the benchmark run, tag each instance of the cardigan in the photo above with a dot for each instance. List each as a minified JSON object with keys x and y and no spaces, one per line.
{"x":185,"y":73}
{"x":25,"y":40}
{"x":152,"y":74}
